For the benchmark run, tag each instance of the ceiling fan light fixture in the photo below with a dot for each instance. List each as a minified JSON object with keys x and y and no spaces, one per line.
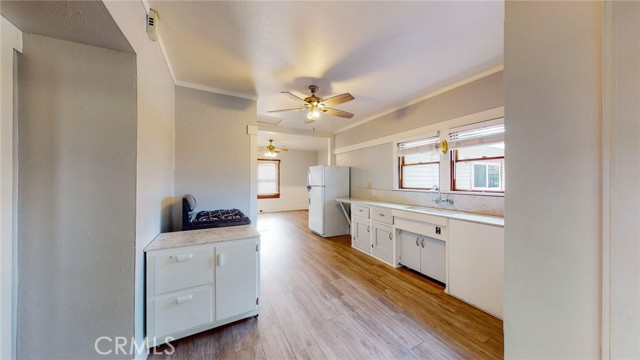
{"x":271,"y":151}
{"x":315,"y":105}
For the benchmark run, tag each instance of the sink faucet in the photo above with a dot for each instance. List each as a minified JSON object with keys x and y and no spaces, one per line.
{"x":439,"y":200}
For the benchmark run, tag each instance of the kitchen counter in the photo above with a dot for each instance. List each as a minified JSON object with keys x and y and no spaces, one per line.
{"x":477,"y":218}
{"x":200,"y":237}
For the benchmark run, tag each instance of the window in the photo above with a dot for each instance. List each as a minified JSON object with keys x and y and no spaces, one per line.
{"x":268,"y":179}
{"x":419,"y":163}
{"x":477,"y":157}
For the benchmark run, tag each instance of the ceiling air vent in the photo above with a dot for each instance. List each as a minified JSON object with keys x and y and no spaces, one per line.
{"x":152,"y":25}
{"x":269,"y":120}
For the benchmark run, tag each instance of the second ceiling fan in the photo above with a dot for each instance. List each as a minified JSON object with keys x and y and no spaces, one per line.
{"x":316,"y":105}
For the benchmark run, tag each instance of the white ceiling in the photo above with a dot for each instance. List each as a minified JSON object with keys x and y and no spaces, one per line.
{"x":85,"y":22}
{"x":292,"y":141}
{"x":384,"y":53}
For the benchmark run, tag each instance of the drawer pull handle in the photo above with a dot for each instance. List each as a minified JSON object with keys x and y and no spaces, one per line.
{"x":183,"y":257}
{"x":389,"y":236}
{"x":417,"y":241}
{"x":422,"y":242}
{"x":183,"y":299}
{"x":219,"y":259}
{"x":381,"y":214}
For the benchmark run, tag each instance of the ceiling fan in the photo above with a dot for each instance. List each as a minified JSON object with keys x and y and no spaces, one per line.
{"x":271,"y":151}
{"x":316,"y":105}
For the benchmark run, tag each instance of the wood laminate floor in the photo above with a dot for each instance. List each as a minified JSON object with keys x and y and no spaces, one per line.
{"x":321,"y":299}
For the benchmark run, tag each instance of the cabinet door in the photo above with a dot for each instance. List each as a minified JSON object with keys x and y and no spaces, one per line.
{"x":382,"y":238}
{"x":433,"y":257}
{"x":236,"y":277}
{"x":409,"y":249}
{"x":476,"y":264}
{"x":361,"y":234}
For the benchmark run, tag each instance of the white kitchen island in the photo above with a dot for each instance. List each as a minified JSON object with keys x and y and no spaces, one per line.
{"x":197,"y":280}
{"x":464,"y":251}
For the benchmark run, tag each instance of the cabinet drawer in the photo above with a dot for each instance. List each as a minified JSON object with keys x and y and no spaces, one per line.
{"x":182,"y":268}
{"x":422,"y":228}
{"x":381,"y":215}
{"x":360,"y":211}
{"x":183,"y":311}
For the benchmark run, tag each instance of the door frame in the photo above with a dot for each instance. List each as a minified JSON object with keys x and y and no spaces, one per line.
{"x":11,"y":46}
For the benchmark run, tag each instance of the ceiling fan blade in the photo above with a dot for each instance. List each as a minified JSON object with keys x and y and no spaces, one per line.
{"x":283,"y":149}
{"x":296,"y":109}
{"x":338,"y":99}
{"x":291,"y":94}
{"x":338,"y":113}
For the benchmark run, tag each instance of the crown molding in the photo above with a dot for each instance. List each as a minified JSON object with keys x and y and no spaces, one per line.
{"x":215,"y":90}
{"x":442,"y":126}
{"x":177,"y":82}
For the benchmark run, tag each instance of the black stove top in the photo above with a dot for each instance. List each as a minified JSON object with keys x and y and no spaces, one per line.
{"x":218,"y":215}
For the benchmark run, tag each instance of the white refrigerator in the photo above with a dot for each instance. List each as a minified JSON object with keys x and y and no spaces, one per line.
{"x":324,"y":185}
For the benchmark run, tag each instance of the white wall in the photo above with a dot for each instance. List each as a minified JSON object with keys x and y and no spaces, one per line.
{"x":371,"y":168}
{"x":11,"y":40}
{"x":322,"y":157}
{"x":553,"y":157}
{"x":294,"y":165}
{"x":155,"y":143}
{"x":77,"y":191}
{"x":479,"y":95}
{"x":622,"y":250}
{"x":215,"y":156}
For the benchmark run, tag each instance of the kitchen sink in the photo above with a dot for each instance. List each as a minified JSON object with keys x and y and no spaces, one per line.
{"x":428,"y":210}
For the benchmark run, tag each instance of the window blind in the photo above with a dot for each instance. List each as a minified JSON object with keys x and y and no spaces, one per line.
{"x":422,"y":145}
{"x":267,"y":177}
{"x":481,"y":133}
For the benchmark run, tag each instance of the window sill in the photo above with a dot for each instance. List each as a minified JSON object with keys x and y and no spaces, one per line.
{"x":276,"y":196}
{"x":472,"y":193}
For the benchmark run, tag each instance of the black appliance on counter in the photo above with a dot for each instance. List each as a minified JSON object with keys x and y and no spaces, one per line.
{"x":209,"y":218}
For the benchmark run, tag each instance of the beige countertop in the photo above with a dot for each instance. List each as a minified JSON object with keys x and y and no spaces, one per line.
{"x":458,"y":215}
{"x":200,"y":237}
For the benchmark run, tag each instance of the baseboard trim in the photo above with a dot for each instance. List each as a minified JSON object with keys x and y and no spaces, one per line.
{"x":282,"y":210}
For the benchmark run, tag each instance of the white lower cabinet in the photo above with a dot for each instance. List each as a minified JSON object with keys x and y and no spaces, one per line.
{"x":382,"y":242}
{"x":361,"y":234}
{"x":423,"y":254}
{"x":476,"y":264}
{"x":195,"y":288}
{"x":236,"y":268}
{"x":465,"y":255}
{"x":375,"y":238}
